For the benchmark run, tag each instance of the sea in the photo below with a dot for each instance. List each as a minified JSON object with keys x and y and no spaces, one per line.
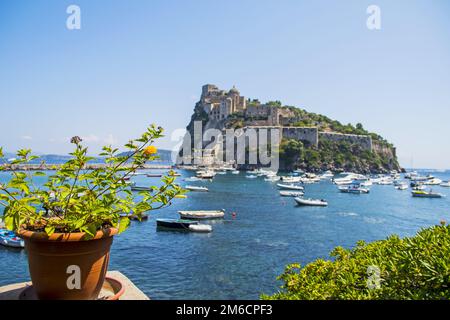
{"x":262,"y":233}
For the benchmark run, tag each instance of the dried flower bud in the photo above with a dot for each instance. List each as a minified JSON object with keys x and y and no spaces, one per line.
{"x":76,"y":140}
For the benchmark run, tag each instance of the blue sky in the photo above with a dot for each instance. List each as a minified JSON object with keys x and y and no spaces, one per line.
{"x":137,"y":62}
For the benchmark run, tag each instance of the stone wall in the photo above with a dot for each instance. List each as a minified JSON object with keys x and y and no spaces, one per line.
{"x":308,"y":135}
{"x":364,"y":141}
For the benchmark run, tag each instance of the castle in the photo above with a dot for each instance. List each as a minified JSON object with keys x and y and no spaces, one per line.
{"x":220,"y":104}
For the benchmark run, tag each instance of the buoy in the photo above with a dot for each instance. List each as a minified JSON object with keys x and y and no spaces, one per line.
{"x":233,"y":214}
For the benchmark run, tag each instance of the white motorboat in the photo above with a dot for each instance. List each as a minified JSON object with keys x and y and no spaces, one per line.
{"x":205,"y":174}
{"x":272,"y":178}
{"x":10,"y":239}
{"x":354,"y":188}
{"x":411,"y":175}
{"x":196,"y":188}
{"x":343,"y":181}
{"x":252,"y":176}
{"x":202,"y":214}
{"x":326,"y":175}
{"x":201,"y":228}
{"x":235,"y":172}
{"x":291,"y":179}
{"x":221,"y":172}
{"x":401,"y":186}
{"x":192,"y":179}
{"x":445,"y":184}
{"x":289,"y":186}
{"x":433,"y":182}
{"x":311,"y":202}
{"x":291,"y":193}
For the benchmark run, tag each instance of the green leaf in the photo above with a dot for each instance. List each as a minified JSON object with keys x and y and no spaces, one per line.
{"x":123,"y":224}
{"x":49,"y":230}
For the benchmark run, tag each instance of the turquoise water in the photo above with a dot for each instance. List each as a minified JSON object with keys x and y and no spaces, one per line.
{"x":241,"y":258}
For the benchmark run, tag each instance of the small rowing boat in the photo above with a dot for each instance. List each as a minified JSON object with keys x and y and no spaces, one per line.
{"x":202,"y":214}
{"x":311,"y":202}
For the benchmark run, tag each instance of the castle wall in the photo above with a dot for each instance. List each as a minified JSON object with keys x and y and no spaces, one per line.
{"x":309,"y":135}
{"x":364,"y":141}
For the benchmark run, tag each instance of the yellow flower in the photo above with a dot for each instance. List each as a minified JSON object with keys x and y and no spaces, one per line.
{"x":150,"y":150}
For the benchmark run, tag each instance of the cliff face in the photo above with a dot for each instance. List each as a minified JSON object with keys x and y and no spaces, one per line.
{"x":312,"y":142}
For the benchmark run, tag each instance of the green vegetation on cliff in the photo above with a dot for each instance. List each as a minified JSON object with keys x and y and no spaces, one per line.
{"x":333,"y":155}
{"x":410,"y":268}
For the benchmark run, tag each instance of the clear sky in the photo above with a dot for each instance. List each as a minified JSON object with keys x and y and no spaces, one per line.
{"x":137,"y":62}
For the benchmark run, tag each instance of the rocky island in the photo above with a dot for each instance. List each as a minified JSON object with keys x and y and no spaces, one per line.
{"x":310,"y":141}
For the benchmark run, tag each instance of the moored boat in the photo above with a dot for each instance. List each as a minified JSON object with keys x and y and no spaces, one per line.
{"x":401,"y":186}
{"x":291,"y":193}
{"x":355,"y":189}
{"x":201,"y":228}
{"x":10,"y":239}
{"x":174,"y":224}
{"x":196,"y":188}
{"x":426,"y":194}
{"x":311,"y":202}
{"x":134,"y":187}
{"x":289,"y":186}
{"x":202,"y":214}
{"x":154,"y":175}
{"x":445,"y":184}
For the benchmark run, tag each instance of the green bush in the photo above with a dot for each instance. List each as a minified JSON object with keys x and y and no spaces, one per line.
{"x":410,"y":268}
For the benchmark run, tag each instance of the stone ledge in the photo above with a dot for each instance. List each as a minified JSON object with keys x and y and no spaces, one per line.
{"x":12,"y":291}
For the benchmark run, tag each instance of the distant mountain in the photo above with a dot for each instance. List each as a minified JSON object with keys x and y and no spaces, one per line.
{"x":165,"y":157}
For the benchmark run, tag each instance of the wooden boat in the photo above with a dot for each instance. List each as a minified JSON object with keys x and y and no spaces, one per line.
{"x":289,"y":186}
{"x":291,"y":193}
{"x":195,"y":188}
{"x":202,"y":214}
{"x":10,"y":239}
{"x":311,"y":202}
{"x":426,"y":194}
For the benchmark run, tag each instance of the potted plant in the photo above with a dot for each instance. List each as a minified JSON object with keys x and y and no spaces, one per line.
{"x":69,"y":222}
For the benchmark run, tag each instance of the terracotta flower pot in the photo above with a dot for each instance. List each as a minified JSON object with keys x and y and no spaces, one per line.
{"x":66,"y":265}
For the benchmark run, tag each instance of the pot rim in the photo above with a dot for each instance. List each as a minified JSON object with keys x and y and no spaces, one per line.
{"x":66,"y":237}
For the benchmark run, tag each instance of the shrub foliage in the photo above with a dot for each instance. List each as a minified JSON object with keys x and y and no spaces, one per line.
{"x":410,"y":268}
